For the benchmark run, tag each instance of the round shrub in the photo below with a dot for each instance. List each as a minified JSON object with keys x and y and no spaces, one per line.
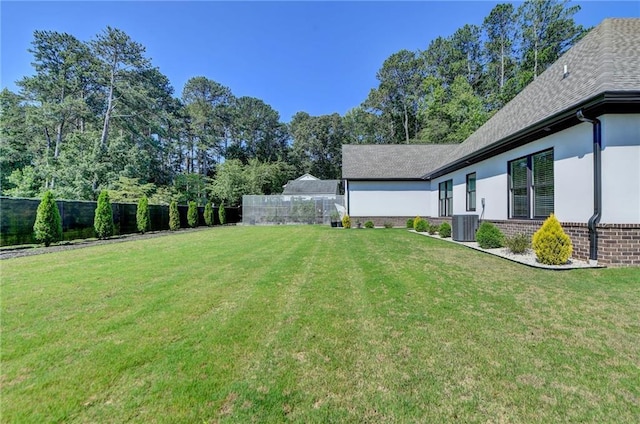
{"x":444,"y":230}
{"x":174,"y":216}
{"x":551,"y":244}
{"x":410,"y":223}
{"x":143,"y":217}
{"x":518,"y":243}
{"x":103,"y":219}
{"x":208,"y":214}
{"x":192,"y":214}
{"x":489,"y":236}
{"x":222,"y":214}
{"x":368,"y":224}
{"x":432,"y":229}
{"x":388,"y":225}
{"x":48,"y":225}
{"x":346,"y":221}
{"x":421,"y":225}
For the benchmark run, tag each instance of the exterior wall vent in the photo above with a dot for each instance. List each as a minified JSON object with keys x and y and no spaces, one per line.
{"x":463,"y":227}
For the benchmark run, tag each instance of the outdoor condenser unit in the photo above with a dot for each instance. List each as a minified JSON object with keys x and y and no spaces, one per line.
{"x":463,"y":227}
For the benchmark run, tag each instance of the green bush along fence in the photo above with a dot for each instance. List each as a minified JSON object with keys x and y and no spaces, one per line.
{"x":17,"y":217}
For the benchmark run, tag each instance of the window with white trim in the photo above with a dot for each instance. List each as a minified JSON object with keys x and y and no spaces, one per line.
{"x":445,"y":190}
{"x":531,"y":187}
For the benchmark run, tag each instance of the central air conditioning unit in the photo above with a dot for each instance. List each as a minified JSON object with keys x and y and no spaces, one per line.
{"x":463,"y":227}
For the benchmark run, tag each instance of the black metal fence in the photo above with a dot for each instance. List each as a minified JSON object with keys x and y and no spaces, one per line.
{"x":17,"y":217}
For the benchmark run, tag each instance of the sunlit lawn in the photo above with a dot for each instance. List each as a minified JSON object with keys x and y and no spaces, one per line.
{"x":313,"y":324}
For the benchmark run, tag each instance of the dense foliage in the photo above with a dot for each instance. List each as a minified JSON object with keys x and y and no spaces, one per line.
{"x":174,"y":216}
{"x":444,"y":230}
{"x":208,"y":214}
{"x":222,"y":214}
{"x":346,"y":221}
{"x":551,"y":244}
{"x":48,"y":226}
{"x":410,"y":223}
{"x":368,"y":224}
{"x":103,"y":220}
{"x":518,"y":243}
{"x":489,"y":236}
{"x":99,"y":115}
{"x":143,"y":217}
{"x":421,"y":225}
{"x":192,"y":214}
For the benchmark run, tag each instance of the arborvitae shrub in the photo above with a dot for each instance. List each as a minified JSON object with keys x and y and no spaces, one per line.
{"x":48,"y":225}
{"x":208,"y":214}
{"x":222,"y":214}
{"x":551,"y":244}
{"x":444,"y":230}
{"x":174,"y":216}
{"x":410,"y":223}
{"x":489,"y":236}
{"x":518,"y":243}
{"x":421,"y":225}
{"x":415,"y":222}
{"x":368,"y":224}
{"x":143,"y":217}
{"x":432,"y":229}
{"x":346,"y":221}
{"x":103,"y":219}
{"x":192,"y":214}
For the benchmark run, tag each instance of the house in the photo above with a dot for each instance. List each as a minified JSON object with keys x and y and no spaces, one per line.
{"x":568,"y":144}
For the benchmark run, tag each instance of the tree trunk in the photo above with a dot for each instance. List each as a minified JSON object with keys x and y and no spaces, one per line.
{"x":107,"y":115}
{"x":406,"y":124}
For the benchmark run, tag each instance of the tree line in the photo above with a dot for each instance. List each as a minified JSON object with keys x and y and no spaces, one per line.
{"x":98,"y":115}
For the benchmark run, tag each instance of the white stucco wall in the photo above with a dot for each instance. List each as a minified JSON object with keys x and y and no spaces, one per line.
{"x":621,"y":169}
{"x":388,"y":198}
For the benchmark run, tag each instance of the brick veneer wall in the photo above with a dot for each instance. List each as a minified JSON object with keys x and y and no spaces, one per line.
{"x":618,"y":244}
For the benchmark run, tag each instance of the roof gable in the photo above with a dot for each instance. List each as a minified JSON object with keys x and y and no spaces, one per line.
{"x":312,"y":187}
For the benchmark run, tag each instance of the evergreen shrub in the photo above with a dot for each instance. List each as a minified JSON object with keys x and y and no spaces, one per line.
{"x":489,"y":236}
{"x":346,"y":221}
{"x":48,"y":225}
{"x":388,"y":225}
{"x":368,"y":224}
{"x":192,"y":214}
{"x":103,"y":219}
{"x":174,"y":216}
{"x":415,"y":222}
{"x":208,"y":214}
{"x":143,"y":217}
{"x":519,"y":243}
{"x":432,"y":229}
{"x":551,"y":244}
{"x":421,"y":225}
{"x":222,"y":214}
{"x":445,"y":230}
{"x":410,"y":223}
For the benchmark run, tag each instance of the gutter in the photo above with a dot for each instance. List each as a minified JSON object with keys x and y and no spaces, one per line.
{"x":597,"y":186}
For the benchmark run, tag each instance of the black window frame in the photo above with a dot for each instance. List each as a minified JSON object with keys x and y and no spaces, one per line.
{"x":445,"y":204}
{"x":528,"y":188}
{"x":471,"y":202}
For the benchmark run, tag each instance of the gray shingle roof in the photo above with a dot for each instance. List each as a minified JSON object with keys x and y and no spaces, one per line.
{"x":607,"y":60}
{"x":391,"y":161}
{"x":312,"y":187}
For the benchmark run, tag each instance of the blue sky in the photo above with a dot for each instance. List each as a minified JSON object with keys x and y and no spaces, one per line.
{"x":317,"y":57}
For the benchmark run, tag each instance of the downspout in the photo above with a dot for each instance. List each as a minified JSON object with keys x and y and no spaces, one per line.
{"x":597,"y":186}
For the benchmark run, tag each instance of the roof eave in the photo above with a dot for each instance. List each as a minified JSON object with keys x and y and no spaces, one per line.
{"x":606,"y":102}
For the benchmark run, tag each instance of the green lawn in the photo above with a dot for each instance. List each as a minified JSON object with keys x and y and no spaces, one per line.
{"x":313,"y":324}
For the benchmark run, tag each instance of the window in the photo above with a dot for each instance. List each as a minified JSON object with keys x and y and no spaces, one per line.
{"x":471,"y":192}
{"x":531,"y":186}
{"x":446,"y":198}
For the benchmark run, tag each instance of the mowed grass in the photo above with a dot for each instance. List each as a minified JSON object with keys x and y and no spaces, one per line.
{"x":313,"y":324}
